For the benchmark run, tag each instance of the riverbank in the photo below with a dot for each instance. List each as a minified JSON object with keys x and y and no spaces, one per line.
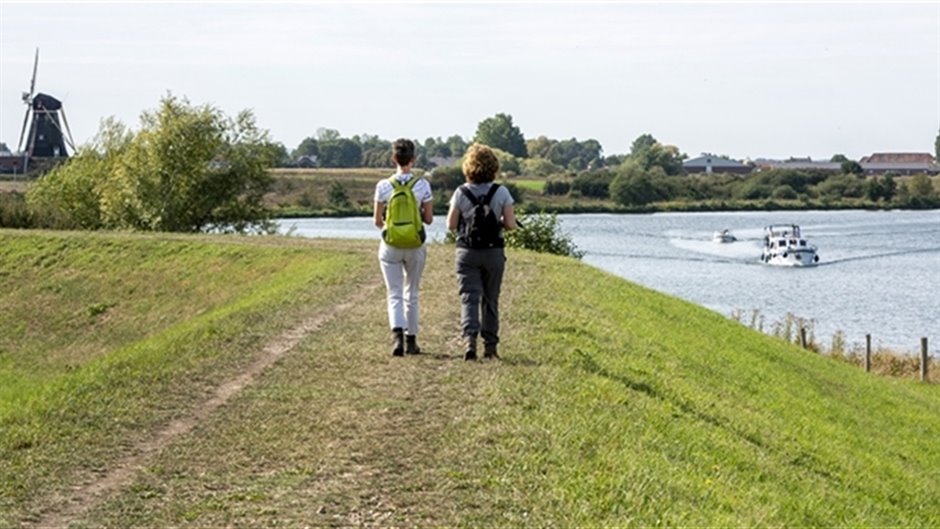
{"x":210,"y":381}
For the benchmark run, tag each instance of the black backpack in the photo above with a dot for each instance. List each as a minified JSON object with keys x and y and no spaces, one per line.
{"x":483,"y":228}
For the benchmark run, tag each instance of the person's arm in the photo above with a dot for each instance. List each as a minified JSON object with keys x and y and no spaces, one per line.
{"x":378,"y":216}
{"x":427,"y":212}
{"x":453,"y":217}
{"x":509,"y":217}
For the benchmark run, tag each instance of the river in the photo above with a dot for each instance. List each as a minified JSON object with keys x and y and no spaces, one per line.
{"x":878,"y":274}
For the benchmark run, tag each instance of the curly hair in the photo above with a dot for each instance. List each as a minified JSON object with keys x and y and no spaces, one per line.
{"x":480,"y":164}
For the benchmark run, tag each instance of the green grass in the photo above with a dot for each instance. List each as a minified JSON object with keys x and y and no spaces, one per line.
{"x":613,"y":405}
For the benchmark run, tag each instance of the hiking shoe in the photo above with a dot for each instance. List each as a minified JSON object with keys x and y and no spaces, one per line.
{"x":398,"y":341}
{"x":489,"y":351}
{"x":471,"y":349}
{"x":411,"y":345}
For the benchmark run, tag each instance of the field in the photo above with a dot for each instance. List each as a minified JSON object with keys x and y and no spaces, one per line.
{"x":193,"y":381}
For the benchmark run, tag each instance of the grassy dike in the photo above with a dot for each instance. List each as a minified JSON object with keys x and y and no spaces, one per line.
{"x":612,"y":406}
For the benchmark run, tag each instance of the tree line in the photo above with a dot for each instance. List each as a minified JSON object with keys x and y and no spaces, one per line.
{"x":192,"y":168}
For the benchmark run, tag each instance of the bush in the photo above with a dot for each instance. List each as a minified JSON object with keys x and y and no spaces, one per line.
{"x":556,"y":188}
{"x":540,"y":233}
{"x":188,"y":169}
{"x":594,"y":184}
{"x":447,"y":178}
{"x":540,"y":167}
{"x":784,"y":192}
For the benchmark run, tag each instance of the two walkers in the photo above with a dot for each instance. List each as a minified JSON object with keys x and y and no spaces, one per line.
{"x":479,"y":211}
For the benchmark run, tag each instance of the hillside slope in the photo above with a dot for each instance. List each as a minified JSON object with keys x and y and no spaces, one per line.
{"x":613,"y":405}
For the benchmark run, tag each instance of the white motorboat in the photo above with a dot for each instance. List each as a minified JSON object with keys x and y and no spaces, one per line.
{"x":723,"y":236}
{"x":784,"y":245}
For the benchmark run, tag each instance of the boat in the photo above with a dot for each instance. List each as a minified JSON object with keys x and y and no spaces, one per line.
{"x":784,"y":245}
{"x":723,"y":236}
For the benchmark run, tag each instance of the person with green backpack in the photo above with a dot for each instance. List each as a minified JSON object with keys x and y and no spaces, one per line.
{"x":403,"y":205}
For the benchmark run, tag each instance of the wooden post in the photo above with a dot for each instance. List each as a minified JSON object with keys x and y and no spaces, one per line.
{"x":868,"y":353}
{"x":803,"y":337}
{"x":923,"y":359}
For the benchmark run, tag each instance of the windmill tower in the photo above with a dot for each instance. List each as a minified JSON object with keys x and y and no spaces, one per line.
{"x":44,"y":119}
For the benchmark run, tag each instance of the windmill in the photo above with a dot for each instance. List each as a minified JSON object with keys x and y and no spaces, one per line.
{"x":45,"y":118}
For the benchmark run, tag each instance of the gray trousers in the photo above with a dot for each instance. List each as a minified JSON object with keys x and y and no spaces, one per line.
{"x":479,"y":278}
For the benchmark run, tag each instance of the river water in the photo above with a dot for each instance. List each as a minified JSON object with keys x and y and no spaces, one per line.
{"x":878,"y":274}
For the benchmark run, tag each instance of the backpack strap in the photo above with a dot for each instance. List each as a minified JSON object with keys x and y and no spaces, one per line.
{"x":474,"y":200}
{"x":408,"y":183}
{"x":479,"y":200}
{"x":491,"y":193}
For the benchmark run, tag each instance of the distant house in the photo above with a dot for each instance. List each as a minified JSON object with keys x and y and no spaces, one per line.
{"x":798,"y":164}
{"x":306,"y":161}
{"x":708,"y":163}
{"x":442,"y":161}
{"x":902,"y":163}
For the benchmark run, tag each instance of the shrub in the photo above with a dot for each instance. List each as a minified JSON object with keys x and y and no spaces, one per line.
{"x":556,"y":188}
{"x":593,"y":184}
{"x":540,"y":233}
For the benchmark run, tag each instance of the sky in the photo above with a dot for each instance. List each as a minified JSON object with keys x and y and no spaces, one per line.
{"x":746,"y":80}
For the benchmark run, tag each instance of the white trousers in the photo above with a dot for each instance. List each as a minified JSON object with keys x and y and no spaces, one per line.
{"x":402,"y":269}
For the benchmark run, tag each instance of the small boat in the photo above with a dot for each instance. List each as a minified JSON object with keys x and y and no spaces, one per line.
{"x":784,"y":245}
{"x":723,"y":236}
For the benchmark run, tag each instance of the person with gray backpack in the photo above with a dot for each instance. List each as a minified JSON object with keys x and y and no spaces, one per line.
{"x":480,"y":210}
{"x":403,"y":205}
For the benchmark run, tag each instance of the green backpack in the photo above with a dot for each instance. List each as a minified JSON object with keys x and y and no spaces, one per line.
{"x":403,"y":227}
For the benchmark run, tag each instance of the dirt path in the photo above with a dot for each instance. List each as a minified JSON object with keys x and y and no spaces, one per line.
{"x":87,"y":496}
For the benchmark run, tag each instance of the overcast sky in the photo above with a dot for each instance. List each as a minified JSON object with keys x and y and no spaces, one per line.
{"x":742,"y":79}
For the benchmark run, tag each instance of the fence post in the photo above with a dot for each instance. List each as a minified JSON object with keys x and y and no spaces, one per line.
{"x":803,"y":337}
{"x":923,"y":359}
{"x":868,"y":353}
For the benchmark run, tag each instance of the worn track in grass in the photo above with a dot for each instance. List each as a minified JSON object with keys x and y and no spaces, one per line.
{"x":87,"y":496}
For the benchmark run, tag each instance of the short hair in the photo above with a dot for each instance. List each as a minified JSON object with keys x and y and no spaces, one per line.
{"x":403,"y":151}
{"x":480,"y":164}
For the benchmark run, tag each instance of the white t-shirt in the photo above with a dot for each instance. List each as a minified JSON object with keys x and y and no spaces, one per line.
{"x":422,"y":189}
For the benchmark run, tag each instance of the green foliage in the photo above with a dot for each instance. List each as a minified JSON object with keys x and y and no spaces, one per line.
{"x":499,"y":132}
{"x":571,"y":153}
{"x":187,"y":169}
{"x":842,"y":185}
{"x":784,"y":192}
{"x":936,"y":147}
{"x":557,"y":187}
{"x":540,"y":167}
{"x":13,"y":211}
{"x":642,"y":143}
{"x":540,"y":232}
{"x":634,"y":186}
{"x":447,"y":178}
{"x":340,"y":152}
{"x":307,"y":147}
{"x":852,"y":167}
{"x":508,"y":164}
{"x":593,"y":184}
{"x":336,"y":195}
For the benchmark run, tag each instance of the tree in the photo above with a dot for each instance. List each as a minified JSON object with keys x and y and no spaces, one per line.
{"x":308,"y":147}
{"x":936,"y":147}
{"x":633,"y":187}
{"x":667,"y":157}
{"x":641,"y":143}
{"x":342,"y":152}
{"x":499,"y":132}
{"x":838,"y":158}
{"x":325,"y":134}
{"x":852,"y":167}
{"x":457,"y":145}
{"x":187,"y":169}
